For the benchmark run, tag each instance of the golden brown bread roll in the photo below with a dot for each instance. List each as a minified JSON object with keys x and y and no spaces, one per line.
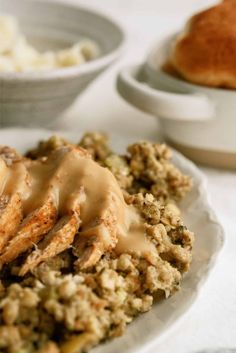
{"x":205,"y":53}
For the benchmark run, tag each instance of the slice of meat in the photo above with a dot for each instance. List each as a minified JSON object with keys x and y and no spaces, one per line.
{"x":11,"y":215}
{"x":13,"y":186}
{"x":91,"y":243}
{"x":10,"y":155}
{"x":61,"y":235}
{"x":88,"y":248}
{"x":31,"y":231}
{"x":70,"y":186}
{"x":57,"y":240}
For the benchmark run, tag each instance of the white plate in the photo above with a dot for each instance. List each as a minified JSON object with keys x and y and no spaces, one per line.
{"x":149,"y":328}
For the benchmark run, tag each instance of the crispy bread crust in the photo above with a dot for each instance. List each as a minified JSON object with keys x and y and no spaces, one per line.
{"x":205,"y":53}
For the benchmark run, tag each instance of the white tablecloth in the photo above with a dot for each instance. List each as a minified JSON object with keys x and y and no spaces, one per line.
{"x":212,"y":321}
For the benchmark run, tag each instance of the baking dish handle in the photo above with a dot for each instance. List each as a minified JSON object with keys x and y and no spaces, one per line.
{"x":173,"y":106}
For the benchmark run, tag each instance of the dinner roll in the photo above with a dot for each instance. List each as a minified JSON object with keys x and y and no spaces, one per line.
{"x":205,"y":52}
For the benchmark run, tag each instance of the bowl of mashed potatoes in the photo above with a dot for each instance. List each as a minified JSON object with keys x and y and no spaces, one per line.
{"x":49,"y":53}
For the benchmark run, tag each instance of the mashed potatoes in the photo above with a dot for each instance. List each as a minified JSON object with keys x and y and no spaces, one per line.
{"x":17,"y":55}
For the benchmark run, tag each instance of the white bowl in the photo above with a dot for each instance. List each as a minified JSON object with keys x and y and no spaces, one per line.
{"x":37,"y":98}
{"x":199,"y":121}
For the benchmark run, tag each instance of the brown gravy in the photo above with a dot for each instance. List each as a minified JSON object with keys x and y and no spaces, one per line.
{"x":73,"y":181}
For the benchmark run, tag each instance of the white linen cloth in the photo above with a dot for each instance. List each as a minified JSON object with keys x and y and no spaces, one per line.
{"x":211,"y":323}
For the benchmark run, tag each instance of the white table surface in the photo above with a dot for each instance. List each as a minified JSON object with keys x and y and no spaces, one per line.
{"x":211,"y":323}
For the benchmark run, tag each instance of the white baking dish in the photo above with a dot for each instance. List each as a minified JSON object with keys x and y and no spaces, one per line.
{"x":198,"y":120}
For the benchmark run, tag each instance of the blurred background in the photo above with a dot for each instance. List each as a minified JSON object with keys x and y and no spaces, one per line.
{"x":170,"y":6}
{"x":145,"y":22}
